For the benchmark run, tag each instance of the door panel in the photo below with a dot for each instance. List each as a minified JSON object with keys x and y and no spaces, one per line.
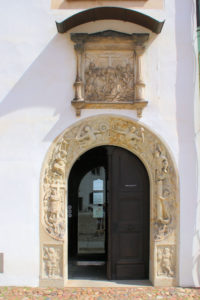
{"x":129,"y":216}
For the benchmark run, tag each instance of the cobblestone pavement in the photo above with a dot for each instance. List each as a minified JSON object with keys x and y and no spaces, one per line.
{"x":24,"y":293}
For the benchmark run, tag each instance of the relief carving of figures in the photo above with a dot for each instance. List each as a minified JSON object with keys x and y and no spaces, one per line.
{"x":132,"y":135}
{"x":59,"y":166}
{"x":89,"y":135}
{"x":86,"y":135}
{"x":58,"y":163}
{"x":166,"y":261}
{"x":162,"y":211}
{"x":52,"y":256}
{"x":54,"y":214}
{"x":163,"y":194}
{"x":161,"y":164}
{"x":110,"y":83}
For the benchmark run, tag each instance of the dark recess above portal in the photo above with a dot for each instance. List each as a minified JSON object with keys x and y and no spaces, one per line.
{"x":110,"y":13}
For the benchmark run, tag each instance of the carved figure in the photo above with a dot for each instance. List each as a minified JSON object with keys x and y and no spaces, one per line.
{"x":165,"y":260}
{"x":51,"y":260}
{"x":53,"y":209}
{"x":162,"y":213}
{"x":161,"y":164}
{"x":132,"y":136}
{"x":54,"y":216}
{"x":59,"y":166}
{"x":86,"y":134}
{"x":161,"y":172}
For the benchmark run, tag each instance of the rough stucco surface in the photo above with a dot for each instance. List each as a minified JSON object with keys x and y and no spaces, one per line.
{"x":37,"y":73}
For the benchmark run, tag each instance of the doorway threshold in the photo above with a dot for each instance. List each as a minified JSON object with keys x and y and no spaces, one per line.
{"x":106,"y":283}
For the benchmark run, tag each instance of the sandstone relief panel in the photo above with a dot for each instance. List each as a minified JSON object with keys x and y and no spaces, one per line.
{"x":109,"y":77}
{"x":54,"y":211}
{"x":165,"y":204}
{"x":138,"y":139}
{"x":109,"y":70}
{"x":166,"y":260}
{"x":52,"y":261}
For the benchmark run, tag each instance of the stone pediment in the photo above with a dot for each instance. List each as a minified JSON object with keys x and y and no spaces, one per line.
{"x":137,"y":37}
{"x":109,"y":70}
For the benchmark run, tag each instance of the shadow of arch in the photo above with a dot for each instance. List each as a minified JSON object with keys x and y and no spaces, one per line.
{"x":112,"y":13}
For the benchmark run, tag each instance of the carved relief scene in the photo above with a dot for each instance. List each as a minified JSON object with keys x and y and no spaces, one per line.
{"x":54,"y":212}
{"x":166,"y":258}
{"x":109,"y":70}
{"x":165,"y":197}
{"x":52,"y":261}
{"x":109,"y":76}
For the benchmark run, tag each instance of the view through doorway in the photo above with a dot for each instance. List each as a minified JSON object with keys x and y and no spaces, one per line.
{"x":108,"y":216}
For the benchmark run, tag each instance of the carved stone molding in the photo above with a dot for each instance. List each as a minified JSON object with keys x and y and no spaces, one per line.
{"x":138,"y":139}
{"x":109,"y":70}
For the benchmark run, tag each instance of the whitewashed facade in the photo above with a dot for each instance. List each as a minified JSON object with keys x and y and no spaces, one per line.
{"x":37,"y":73}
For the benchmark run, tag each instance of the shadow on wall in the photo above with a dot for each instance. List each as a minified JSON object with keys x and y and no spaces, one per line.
{"x":185,"y":97}
{"x":46,"y":84}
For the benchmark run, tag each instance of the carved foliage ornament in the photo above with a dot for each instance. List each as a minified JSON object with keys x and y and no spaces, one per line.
{"x":118,"y":131}
{"x":109,"y":70}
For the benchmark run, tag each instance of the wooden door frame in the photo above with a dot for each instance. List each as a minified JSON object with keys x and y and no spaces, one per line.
{"x":163,"y":176}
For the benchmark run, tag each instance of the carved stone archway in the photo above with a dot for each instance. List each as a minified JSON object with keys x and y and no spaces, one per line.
{"x":164,"y":194}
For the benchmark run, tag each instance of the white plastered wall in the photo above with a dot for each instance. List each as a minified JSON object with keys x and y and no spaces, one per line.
{"x":37,"y":109}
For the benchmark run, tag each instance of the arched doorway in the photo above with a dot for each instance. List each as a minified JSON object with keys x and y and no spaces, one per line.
{"x":139,"y":140}
{"x":108,"y":216}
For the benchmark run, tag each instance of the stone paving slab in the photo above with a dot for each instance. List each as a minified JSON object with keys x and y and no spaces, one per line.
{"x":130,"y":293}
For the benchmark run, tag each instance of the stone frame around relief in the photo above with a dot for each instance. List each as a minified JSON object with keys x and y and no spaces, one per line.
{"x":109,"y":72}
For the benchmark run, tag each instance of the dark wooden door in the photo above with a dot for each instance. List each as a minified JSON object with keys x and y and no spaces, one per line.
{"x":128,"y":216}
